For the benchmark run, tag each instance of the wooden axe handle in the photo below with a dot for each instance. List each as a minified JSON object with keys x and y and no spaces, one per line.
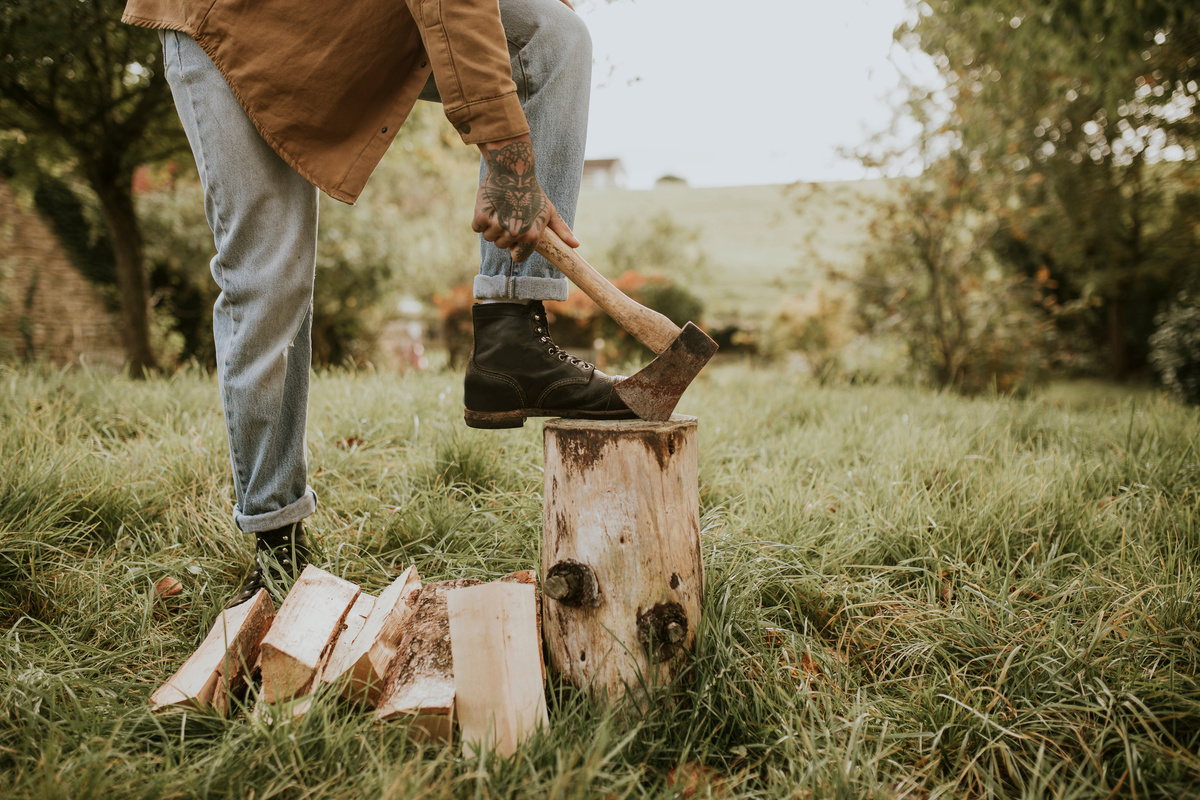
{"x":646,"y":325}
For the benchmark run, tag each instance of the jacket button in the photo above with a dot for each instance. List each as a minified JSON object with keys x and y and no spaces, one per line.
{"x":424,"y":64}
{"x":465,"y":127}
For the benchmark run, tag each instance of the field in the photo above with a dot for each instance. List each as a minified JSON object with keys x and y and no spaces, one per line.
{"x":910,"y":594}
{"x":757,"y":239}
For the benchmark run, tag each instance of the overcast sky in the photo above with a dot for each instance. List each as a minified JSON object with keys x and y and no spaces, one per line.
{"x":739,"y":91}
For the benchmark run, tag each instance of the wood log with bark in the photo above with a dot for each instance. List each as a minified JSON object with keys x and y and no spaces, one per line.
{"x":419,"y":685}
{"x":622,"y":575}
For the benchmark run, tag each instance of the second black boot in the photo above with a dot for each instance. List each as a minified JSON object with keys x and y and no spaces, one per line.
{"x":280,"y":555}
{"x":517,"y":371}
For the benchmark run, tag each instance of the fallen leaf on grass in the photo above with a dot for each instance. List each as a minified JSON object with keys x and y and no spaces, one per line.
{"x":810,"y":666}
{"x":167,"y":587}
{"x":946,"y":594}
{"x":688,"y":779}
{"x":350,"y":442}
{"x":772,"y":637}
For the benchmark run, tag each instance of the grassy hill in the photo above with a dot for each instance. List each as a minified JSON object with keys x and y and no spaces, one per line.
{"x":756,"y":240}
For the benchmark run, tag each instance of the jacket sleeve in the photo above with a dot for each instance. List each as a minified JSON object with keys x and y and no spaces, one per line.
{"x":469,"y":56}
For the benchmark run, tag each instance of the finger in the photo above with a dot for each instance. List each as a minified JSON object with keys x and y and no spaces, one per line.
{"x":559,"y":226}
{"x":521,"y":252}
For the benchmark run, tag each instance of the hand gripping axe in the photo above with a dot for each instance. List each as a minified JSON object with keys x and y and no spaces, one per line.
{"x":655,"y":390}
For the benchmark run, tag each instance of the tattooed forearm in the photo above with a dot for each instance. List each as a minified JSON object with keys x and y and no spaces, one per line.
{"x":510,"y":189}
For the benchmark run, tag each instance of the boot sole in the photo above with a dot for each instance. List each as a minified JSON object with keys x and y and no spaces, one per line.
{"x":494,"y":420}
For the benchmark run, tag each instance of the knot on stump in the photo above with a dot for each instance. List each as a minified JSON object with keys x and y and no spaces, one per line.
{"x":572,"y":584}
{"x":662,"y":629}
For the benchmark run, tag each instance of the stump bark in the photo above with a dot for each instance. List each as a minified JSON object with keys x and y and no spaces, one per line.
{"x":621,"y":568}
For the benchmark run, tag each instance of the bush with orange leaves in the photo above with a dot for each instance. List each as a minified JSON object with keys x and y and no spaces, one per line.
{"x":577,"y":323}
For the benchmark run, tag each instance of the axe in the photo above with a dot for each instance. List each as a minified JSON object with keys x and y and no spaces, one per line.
{"x":655,"y":390}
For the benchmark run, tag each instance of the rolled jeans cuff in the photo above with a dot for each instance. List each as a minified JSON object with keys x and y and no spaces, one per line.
{"x":289,"y":514}
{"x":520,"y":287}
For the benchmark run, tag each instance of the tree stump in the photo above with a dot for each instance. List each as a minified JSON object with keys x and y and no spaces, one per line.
{"x":622,"y":579}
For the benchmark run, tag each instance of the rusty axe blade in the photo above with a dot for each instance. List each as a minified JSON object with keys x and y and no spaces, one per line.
{"x":655,"y":390}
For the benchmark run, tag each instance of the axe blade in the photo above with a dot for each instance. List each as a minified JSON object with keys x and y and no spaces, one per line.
{"x":655,"y":390}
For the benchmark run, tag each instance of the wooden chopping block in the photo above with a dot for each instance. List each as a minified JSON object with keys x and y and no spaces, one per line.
{"x":622,"y":580}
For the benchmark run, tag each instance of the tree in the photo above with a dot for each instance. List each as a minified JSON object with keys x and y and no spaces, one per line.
{"x":933,"y":279}
{"x":80,"y":88}
{"x":1078,"y":119}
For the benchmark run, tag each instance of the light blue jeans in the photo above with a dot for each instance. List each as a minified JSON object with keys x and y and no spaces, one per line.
{"x":264,"y":221}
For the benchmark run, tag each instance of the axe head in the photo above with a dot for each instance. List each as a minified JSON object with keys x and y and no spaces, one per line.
{"x":655,"y":390}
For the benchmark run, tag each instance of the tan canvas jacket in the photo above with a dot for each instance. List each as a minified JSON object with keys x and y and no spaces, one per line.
{"x":328,"y":84}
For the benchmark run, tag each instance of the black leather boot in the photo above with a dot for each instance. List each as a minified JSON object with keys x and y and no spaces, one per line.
{"x":517,"y":371}
{"x":279,"y":558}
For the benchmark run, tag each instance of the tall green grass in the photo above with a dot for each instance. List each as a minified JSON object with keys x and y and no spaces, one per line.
{"x":909,"y":594}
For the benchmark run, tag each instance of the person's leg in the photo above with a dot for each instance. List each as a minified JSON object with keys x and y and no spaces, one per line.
{"x":551,"y":53}
{"x":264,"y":220}
{"x":515,"y":370}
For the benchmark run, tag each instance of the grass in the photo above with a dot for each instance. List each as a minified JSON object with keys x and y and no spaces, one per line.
{"x":910,"y":594}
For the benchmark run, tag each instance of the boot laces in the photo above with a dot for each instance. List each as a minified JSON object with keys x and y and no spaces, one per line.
{"x":542,"y":327}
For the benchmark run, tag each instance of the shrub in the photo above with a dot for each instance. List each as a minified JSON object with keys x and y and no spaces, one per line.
{"x":970,"y":322}
{"x":1175,"y":348}
{"x":576,"y":323}
{"x":816,"y":324}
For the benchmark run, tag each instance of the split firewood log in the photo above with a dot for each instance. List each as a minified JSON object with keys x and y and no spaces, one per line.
{"x":361,"y":666}
{"x":420,"y":683}
{"x":303,"y":634}
{"x":356,"y":620}
{"x":500,"y":695}
{"x":220,"y":666}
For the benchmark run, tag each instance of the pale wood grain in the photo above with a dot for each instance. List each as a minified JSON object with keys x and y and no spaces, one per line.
{"x":499,"y":692}
{"x":362,"y":666}
{"x":341,"y":654}
{"x":303,"y":632}
{"x":221,"y":663}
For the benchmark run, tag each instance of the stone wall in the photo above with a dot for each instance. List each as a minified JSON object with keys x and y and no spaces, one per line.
{"x":48,"y":311}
